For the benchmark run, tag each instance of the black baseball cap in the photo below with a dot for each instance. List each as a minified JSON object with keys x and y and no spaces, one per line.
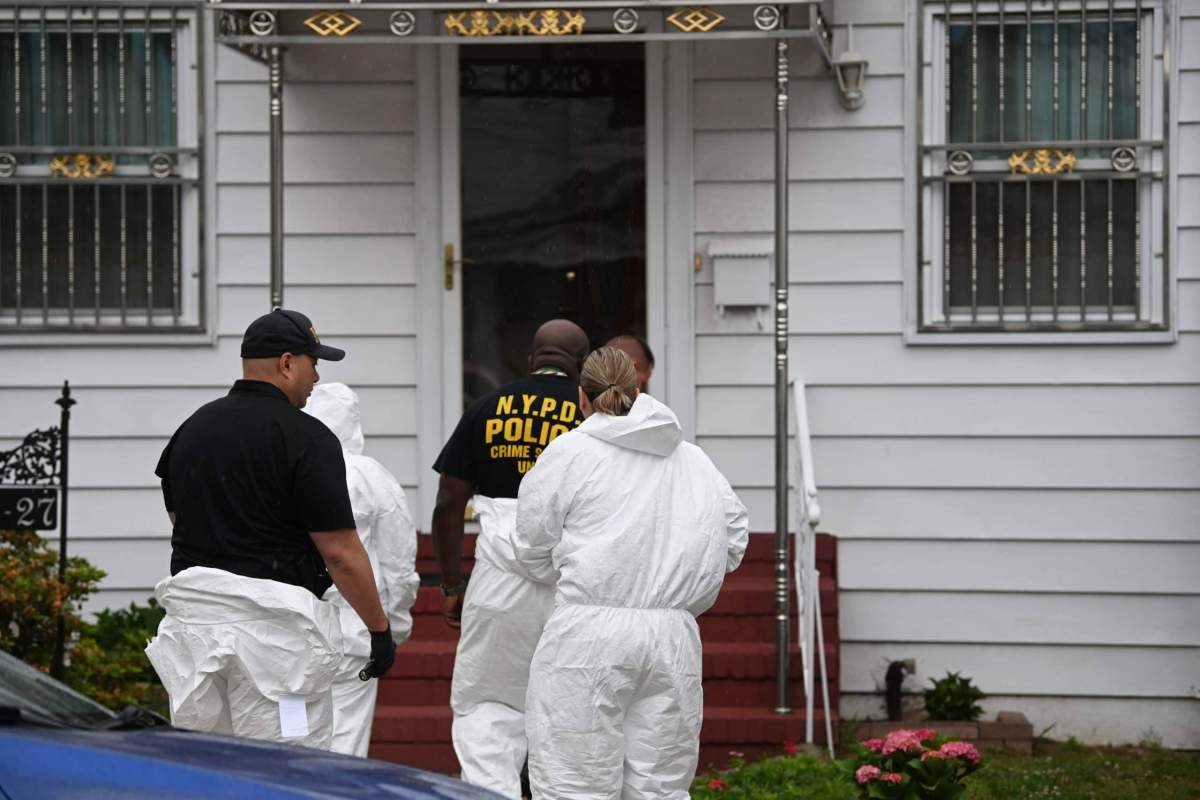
{"x":284,"y":331}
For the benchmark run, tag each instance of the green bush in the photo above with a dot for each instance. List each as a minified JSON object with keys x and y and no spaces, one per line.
{"x":953,"y":698}
{"x":31,"y":596}
{"x":791,"y":776}
{"x":109,"y":662}
{"x":104,"y":660}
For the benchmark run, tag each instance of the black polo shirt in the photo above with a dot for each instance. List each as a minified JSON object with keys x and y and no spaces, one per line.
{"x":501,"y":435}
{"x":248,"y":476}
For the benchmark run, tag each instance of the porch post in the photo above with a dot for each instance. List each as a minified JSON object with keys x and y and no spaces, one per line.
{"x":274,"y":61}
{"x":782,"y":563}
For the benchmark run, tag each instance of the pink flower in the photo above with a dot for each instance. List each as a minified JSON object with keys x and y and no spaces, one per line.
{"x":717,"y":783}
{"x":890,"y":777}
{"x":867,"y":773}
{"x":928,"y":754}
{"x":874,"y":744}
{"x":902,"y":740}
{"x":963,"y":750}
{"x":925,"y":734}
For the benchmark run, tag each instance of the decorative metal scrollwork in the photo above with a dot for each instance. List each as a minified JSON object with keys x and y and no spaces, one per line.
{"x":402,"y":23}
{"x":161,"y":165}
{"x":1045,"y":162}
{"x":1124,"y":159}
{"x":692,"y":20}
{"x":231,"y":24}
{"x":34,"y":461}
{"x":8,"y":165}
{"x":332,"y":23}
{"x":262,"y":23}
{"x":543,"y":22}
{"x":767,"y":18}
{"x":82,"y":165}
{"x":960,"y":162}
{"x":625,"y":20}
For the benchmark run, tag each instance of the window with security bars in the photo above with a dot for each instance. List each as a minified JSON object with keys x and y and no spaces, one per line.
{"x":98,"y":169}
{"x":1043,"y":162}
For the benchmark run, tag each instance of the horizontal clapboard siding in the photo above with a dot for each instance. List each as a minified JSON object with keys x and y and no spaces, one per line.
{"x":1115,"y":463}
{"x":1096,"y":719}
{"x":102,"y":412}
{"x":954,"y":513}
{"x":93,"y":460}
{"x":1029,"y":515}
{"x":1063,"y":671}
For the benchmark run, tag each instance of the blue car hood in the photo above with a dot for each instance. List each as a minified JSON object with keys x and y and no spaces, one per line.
{"x":50,"y":763}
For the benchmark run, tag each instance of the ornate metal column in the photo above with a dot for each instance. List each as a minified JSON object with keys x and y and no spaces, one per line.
{"x":274,"y":63}
{"x":64,"y":444}
{"x":782,"y":562}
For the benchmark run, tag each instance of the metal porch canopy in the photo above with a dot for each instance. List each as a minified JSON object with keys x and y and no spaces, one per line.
{"x":264,"y":29}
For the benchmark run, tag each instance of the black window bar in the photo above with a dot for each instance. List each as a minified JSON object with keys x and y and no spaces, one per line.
{"x":94,"y":179}
{"x":1043,"y":169}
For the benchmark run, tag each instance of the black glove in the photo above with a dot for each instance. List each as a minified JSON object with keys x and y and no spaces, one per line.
{"x":383,"y":654}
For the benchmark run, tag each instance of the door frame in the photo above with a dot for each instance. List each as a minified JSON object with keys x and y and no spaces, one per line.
{"x":669,"y":239}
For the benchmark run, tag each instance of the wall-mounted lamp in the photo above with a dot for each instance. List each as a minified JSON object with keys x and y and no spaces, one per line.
{"x":850,"y":68}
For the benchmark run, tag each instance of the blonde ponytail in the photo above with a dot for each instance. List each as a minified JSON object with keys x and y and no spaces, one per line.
{"x":609,"y":381}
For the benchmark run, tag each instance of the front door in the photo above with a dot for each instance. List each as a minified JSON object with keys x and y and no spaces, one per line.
{"x":549,"y":142}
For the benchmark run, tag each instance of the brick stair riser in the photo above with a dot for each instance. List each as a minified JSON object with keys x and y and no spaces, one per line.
{"x":713,"y":628}
{"x":739,"y":596}
{"x":758,"y":692}
{"x":740,"y":691}
{"x":721,"y":659}
{"x":755,"y":629}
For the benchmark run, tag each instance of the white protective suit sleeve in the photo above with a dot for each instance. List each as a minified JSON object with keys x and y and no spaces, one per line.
{"x":396,"y":540}
{"x":541,"y":509}
{"x":737,"y":525}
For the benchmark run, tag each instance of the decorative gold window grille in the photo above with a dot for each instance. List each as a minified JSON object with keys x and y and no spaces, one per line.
{"x":1043,"y":167}
{"x":98,"y":168}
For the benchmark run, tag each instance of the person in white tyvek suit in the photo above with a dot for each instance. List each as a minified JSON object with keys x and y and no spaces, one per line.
{"x":502,"y":613}
{"x":390,"y":539}
{"x":638,"y":530}
{"x":261,"y":527}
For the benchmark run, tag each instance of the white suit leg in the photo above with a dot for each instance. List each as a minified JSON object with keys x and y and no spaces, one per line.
{"x":207,"y":709}
{"x":662,"y":738}
{"x":503,"y":617}
{"x":582,"y":681}
{"x":257,"y":716}
{"x":353,"y":713}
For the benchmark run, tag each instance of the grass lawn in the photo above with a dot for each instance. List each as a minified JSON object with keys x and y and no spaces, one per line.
{"x":1056,"y":771}
{"x":1072,"y":771}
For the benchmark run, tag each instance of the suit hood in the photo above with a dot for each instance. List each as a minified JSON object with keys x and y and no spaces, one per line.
{"x":336,"y":405}
{"x":649,"y":427}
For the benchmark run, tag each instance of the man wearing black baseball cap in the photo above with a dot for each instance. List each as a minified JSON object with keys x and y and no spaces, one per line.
{"x":262,"y":526}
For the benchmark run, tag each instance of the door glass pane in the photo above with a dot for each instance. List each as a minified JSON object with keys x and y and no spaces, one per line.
{"x":553,"y":150}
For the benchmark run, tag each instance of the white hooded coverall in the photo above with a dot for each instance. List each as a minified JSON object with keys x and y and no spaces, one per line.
{"x":390,"y":539}
{"x":639,"y":529}
{"x":502,"y":619}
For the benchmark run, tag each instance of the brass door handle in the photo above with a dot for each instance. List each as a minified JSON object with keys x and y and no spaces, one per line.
{"x":448,"y":262}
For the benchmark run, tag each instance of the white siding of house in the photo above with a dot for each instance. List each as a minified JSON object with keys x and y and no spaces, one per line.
{"x":1029,"y":515}
{"x":349,"y":119}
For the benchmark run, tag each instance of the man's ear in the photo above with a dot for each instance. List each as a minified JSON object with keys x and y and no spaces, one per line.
{"x":284,"y":364}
